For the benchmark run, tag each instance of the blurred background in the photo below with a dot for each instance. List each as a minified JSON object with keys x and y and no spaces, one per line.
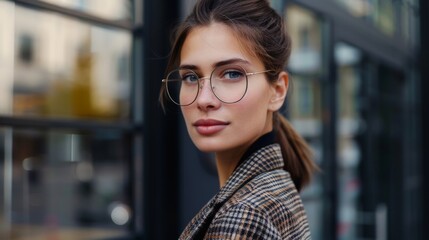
{"x":87,"y":153}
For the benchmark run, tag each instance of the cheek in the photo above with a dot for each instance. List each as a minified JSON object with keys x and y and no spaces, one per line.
{"x":257,"y":98}
{"x":251,"y":111}
{"x":186,"y":113}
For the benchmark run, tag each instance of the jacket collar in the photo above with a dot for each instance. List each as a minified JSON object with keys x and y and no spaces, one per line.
{"x":262,"y":156}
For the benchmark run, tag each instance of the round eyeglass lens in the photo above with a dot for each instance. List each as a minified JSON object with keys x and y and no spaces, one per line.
{"x":182,"y":86}
{"x":229,"y":83}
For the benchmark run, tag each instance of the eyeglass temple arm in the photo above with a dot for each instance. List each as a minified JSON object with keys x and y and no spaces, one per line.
{"x":254,"y":73}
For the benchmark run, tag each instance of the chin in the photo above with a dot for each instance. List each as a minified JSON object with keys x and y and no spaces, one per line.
{"x":209,"y":144}
{"x":208,"y":148}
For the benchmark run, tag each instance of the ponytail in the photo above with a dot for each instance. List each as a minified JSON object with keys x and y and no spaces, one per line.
{"x":297,"y":155}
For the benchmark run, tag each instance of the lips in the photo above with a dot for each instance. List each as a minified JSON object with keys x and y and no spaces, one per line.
{"x":209,"y":126}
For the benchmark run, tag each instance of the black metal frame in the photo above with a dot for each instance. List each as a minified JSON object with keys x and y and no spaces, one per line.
{"x":424,"y":86}
{"x":160,"y":140}
{"x":329,"y":94}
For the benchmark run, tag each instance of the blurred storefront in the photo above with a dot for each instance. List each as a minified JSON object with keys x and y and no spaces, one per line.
{"x":86,"y":151}
{"x":64,"y":103}
{"x":355,"y":98}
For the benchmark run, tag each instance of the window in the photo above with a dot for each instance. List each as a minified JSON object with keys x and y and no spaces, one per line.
{"x":64,"y":183}
{"x":67,"y":68}
{"x":66,"y":114}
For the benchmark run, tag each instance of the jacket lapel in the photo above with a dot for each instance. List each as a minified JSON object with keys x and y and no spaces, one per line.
{"x":265,"y":159}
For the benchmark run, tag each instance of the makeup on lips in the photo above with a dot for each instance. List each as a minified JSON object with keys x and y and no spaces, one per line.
{"x":209,"y":126}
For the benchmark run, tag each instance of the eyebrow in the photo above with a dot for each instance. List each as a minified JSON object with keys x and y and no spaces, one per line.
{"x":217,"y":64}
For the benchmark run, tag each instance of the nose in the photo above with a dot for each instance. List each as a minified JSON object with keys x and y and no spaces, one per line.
{"x":206,"y":99}
{"x":202,"y":80}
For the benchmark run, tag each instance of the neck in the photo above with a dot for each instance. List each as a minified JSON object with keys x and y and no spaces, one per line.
{"x":226,"y":162}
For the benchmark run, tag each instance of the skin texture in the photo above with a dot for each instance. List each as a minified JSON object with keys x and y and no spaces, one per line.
{"x":244,"y":121}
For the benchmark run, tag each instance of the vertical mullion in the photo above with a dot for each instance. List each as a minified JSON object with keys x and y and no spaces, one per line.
{"x":8,"y":180}
{"x":329,"y":116}
{"x":424,"y":85}
{"x":136,"y":117}
{"x":160,"y":140}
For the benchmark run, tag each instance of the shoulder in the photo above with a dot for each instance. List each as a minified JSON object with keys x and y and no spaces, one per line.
{"x":242,"y":221}
{"x":268,"y":207}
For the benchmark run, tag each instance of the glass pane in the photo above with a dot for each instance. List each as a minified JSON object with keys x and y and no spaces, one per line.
{"x":379,"y":12}
{"x":63,"y":68}
{"x":386,"y":16}
{"x":349,"y":152}
{"x":7,"y":18}
{"x":305,"y":31}
{"x":361,"y":8}
{"x":111,"y":9}
{"x":304,"y":100}
{"x":64,"y":184}
{"x":409,"y":15}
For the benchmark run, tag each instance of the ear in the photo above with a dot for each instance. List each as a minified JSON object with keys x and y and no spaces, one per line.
{"x":279,"y":88}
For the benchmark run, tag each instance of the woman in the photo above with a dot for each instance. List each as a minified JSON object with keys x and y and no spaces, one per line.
{"x":226,"y":72}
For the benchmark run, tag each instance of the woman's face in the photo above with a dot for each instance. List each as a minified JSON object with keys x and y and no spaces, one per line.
{"x":215,"y":126}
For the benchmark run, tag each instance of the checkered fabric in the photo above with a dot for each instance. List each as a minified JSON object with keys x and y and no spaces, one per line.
{"x":259,"y":201}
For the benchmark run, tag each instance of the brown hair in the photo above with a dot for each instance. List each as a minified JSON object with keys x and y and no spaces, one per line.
{"x":255,"y":22}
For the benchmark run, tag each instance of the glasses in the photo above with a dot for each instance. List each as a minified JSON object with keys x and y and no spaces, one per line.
{"x":228,"y":83}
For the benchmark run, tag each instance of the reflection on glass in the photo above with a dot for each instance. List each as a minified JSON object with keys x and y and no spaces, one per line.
{"x":304,"y":100}
{"x":349,"y":152}
{"x":111,"y":9}
{"x":6,"y":55}
{"x":64,"y":68}
{"x":305,"y":32}
{"x":66,"y":185}
{"x":380,"y":12}
{"x":386,"y":17}
{"x":410,"y":18}
{"x":361,"y":8}
{"x":389,"y":16}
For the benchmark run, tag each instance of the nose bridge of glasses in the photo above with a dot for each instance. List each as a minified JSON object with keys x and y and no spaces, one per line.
{"x":201,"y":81}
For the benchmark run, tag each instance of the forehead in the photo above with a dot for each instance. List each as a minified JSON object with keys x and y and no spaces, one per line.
{"x":213,"y":43}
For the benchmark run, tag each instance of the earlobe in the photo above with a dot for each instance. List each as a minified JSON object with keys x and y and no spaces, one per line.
{"x":280,"y":88}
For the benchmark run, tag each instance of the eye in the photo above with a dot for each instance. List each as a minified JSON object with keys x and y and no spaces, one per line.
{"x":233,"y":74}
{"x":190,"y":78}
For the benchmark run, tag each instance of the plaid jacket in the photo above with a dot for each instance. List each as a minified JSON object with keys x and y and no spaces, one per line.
{"x":259,"y":201}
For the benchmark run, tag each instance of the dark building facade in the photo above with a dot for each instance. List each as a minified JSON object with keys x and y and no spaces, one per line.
{"x":86,"y":151}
